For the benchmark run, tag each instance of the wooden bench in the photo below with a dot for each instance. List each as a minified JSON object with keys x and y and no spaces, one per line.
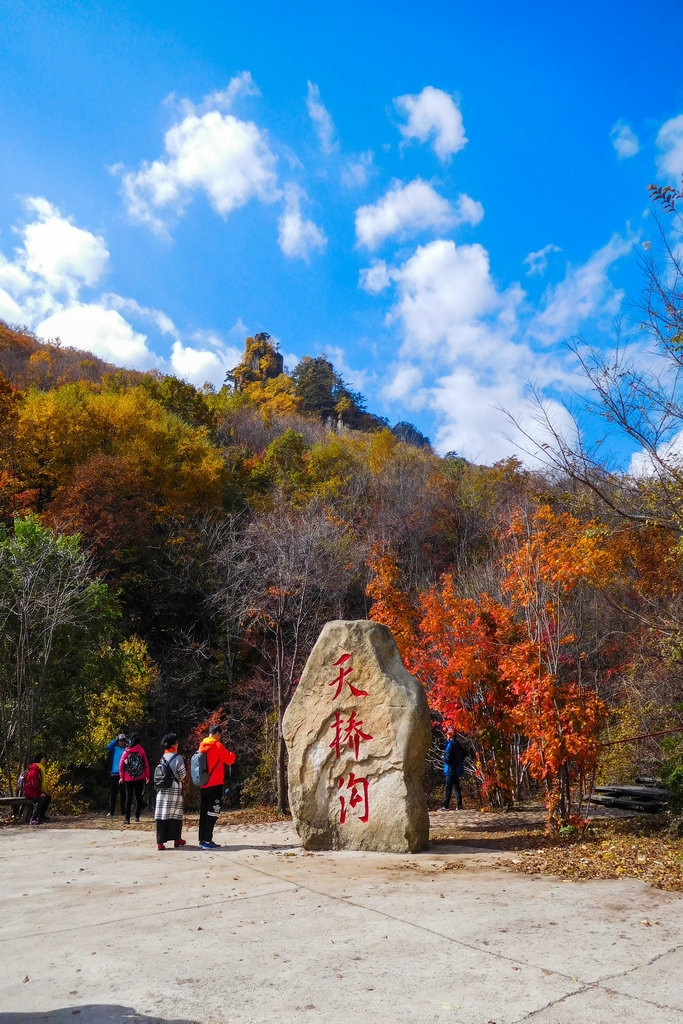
{"x":22,"y":806}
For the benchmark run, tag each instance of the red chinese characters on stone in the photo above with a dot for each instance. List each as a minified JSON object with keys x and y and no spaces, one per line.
{"x":351,"y":802}
{"x":349,"y":733}
{"x":343,"y":673}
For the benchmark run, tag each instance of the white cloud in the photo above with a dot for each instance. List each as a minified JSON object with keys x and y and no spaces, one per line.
{"x":10,"y":310}
{"x":669,"y":457}
{"x":624,"y":140}
{"x":222,"y":99}
{"x":405,"y":385}
{"x":376,"y":277}
{"x":408,"y":209}
{"x":444,"y":292}
{"x":298,"y":236}
{"x":42,"y":287}
{"x":670,"y":144}
{"x":209,"y":359}
{"x":476,"y":411}
{"x":433,"y":115}
{"x":99,"y":330}
{"x":157,"y":317}
{"x":538,"y":261}
{"x":322,"y":121}
{"x":467,"y":347}
{"x":63,"y":255}
{"x":468,"y":210}
{"x":213,"y":152}
{"x":357,"y":169}
{"x":584,"y":292}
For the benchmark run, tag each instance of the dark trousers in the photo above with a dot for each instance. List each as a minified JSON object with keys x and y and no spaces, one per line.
{"x":42,"y":804}
{"x":136,"y":787}
{"x":115,"y":788}
{"x":209,"y":809}
{"x":169,"y":829}
{"x":453,"y":785}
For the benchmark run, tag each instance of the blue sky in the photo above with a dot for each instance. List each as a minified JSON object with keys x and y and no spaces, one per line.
{"x":434,"y":195}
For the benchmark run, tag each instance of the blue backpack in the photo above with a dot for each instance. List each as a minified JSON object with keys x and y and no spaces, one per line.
{"x":199,"y":768}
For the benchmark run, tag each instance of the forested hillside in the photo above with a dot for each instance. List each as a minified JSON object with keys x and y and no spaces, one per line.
{"x":169,"y":554}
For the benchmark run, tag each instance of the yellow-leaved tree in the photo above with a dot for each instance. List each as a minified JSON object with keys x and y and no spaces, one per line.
{"x":123,"y":701}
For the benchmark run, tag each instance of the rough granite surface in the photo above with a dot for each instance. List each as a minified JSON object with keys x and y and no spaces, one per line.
{"x":357,"y":732}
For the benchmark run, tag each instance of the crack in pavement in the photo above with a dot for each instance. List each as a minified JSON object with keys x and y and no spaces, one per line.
{"x":142,"y":917}
{"x":599,"y":984}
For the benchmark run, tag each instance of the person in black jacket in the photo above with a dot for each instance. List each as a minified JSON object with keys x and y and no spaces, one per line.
{"x":453,"y":769}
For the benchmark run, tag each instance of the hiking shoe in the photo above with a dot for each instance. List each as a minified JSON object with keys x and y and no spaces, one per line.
{"x":179,"y":842}
{"x":160,"y":846}
{"x":211,"y":846}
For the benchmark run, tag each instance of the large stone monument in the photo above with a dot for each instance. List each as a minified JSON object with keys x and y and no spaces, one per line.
{"x":357,"y":731}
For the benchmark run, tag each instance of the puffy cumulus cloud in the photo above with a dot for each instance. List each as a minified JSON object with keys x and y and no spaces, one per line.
{"x":538,"y":261}
{"x":670,"y":145}
{"x":57,"y":251}
{"x":42,"y":289}
{"x":408,"y":209}
{"x":445,"y":294}
{"x":469,"y":349}
{"x":53,"y":261}
{"x":297,"y":236}
{"x":584,"y":292}
{"x":322,"y":120}
{"x":207,"y":150}
{"x":99,"y":330}
{"x":433,"y":115}
{"x":486,"y":418}
{"x":209,"y":360}
{"x":624,"y":140}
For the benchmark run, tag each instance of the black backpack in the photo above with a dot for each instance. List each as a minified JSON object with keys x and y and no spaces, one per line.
{"x":134,"y":765}
{"x":164,"y":776}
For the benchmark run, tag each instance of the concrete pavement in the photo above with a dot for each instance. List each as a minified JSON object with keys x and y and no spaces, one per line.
{"x":97,"y":926}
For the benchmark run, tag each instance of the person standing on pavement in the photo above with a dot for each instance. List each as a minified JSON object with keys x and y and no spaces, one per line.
{"x":168,"y":809}
{"x":211,"y":794}
{"x":116,"y":749}
{"x":134,"y":772}
{"x":34,"y":789}
{"x":453,"y":769}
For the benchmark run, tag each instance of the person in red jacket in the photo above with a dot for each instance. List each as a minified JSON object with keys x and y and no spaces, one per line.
{"x":211,"y":794}
{"x":34,"y":789}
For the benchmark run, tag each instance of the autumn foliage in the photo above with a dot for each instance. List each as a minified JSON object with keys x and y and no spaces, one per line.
{"x":220,"y":528}
{"x":507,"y":673}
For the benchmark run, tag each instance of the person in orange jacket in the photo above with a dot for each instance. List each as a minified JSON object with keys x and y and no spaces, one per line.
{"x":217,"y":756}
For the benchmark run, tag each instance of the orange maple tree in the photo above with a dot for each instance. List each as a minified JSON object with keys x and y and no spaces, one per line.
{"x":498,"y":672}
{"x":550,"y":557}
